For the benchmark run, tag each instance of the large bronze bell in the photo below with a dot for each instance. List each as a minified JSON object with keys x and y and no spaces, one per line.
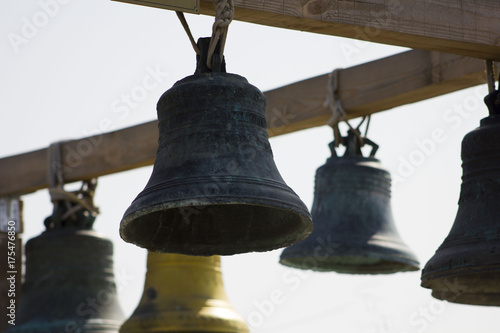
{"x":466,"y":267}
{"x":214,"y":189}
{"x":183,"y":294}
{"x":69,"y":283}
{"x":354,"y":231}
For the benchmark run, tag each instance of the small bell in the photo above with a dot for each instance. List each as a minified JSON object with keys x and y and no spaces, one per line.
{"x":69,"y":284}
{"x":354,"y":231}
{"x":466,"y":267}
{"x":214,"y":189}
{"x":183,"y":294}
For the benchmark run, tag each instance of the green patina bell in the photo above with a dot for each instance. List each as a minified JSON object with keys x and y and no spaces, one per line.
{"x":466,"y":267}
{"x":214,"y":189}
{"x":354,"y":231}
{"x":69,"y":284}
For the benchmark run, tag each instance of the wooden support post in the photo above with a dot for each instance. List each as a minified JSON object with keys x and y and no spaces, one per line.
{"x":365,"y":89}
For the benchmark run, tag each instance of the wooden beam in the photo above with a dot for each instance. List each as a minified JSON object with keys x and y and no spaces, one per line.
{"x":465,"y":27}
{"x":187,"y":6}
{"x":94,"y":156}
{"x":365,"y":89}
{"x":372,"y":87}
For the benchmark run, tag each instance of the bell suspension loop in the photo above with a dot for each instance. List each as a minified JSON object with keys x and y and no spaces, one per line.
{"x":334,"y":103}
{"x":70,"y":208}
{"x":354,"y":140}
{"x":215,"y":48}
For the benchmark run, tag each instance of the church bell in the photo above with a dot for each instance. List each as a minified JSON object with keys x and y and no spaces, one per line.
{"x":214,"y":189}
{"x":354,"y":230}
{"x":184,"y":294}
{"x":69,"y":284}
{"x":466,"y":267}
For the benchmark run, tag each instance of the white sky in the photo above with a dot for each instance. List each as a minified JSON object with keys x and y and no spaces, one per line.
{"x":70,"y":71}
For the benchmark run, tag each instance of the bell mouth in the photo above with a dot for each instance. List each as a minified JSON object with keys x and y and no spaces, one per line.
{"x":474,"y":288}
{"x":377,"y":256}
{"x":464,"y":271}
{"x":61,"y":324}
{"x":215,"y":229}
{"x":353,"y":265}
{"x":487,"y":299}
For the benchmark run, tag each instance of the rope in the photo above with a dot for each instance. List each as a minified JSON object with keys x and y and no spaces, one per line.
{"x":55,"y":166}
{"x":82,"y":199}
{"x":185,"y":25}
{"x":490,"y":76}
{"x":334,"y":103}
{"x":223,"y":17}
{"x":367,"y":125}
{"x":73,"y":201}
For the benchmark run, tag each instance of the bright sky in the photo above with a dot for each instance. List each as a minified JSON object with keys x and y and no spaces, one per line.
{"x":68,"y":64}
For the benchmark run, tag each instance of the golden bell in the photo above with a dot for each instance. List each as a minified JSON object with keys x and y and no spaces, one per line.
{"x":184,"y":294}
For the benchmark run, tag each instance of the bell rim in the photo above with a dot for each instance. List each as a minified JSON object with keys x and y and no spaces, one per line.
{"x":298,"y":233}
{"x":453,"y":258}
{"x":465,"y":288}
{"x":208,"y":200}
{"x":430,"y":278}
{"x":59,"y":325}
{"x":394,"y":264}
{"x":396,"y":267}
{"x":383,"y":248}
{"x":479,"y":299}
{"x":192,"y":324}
